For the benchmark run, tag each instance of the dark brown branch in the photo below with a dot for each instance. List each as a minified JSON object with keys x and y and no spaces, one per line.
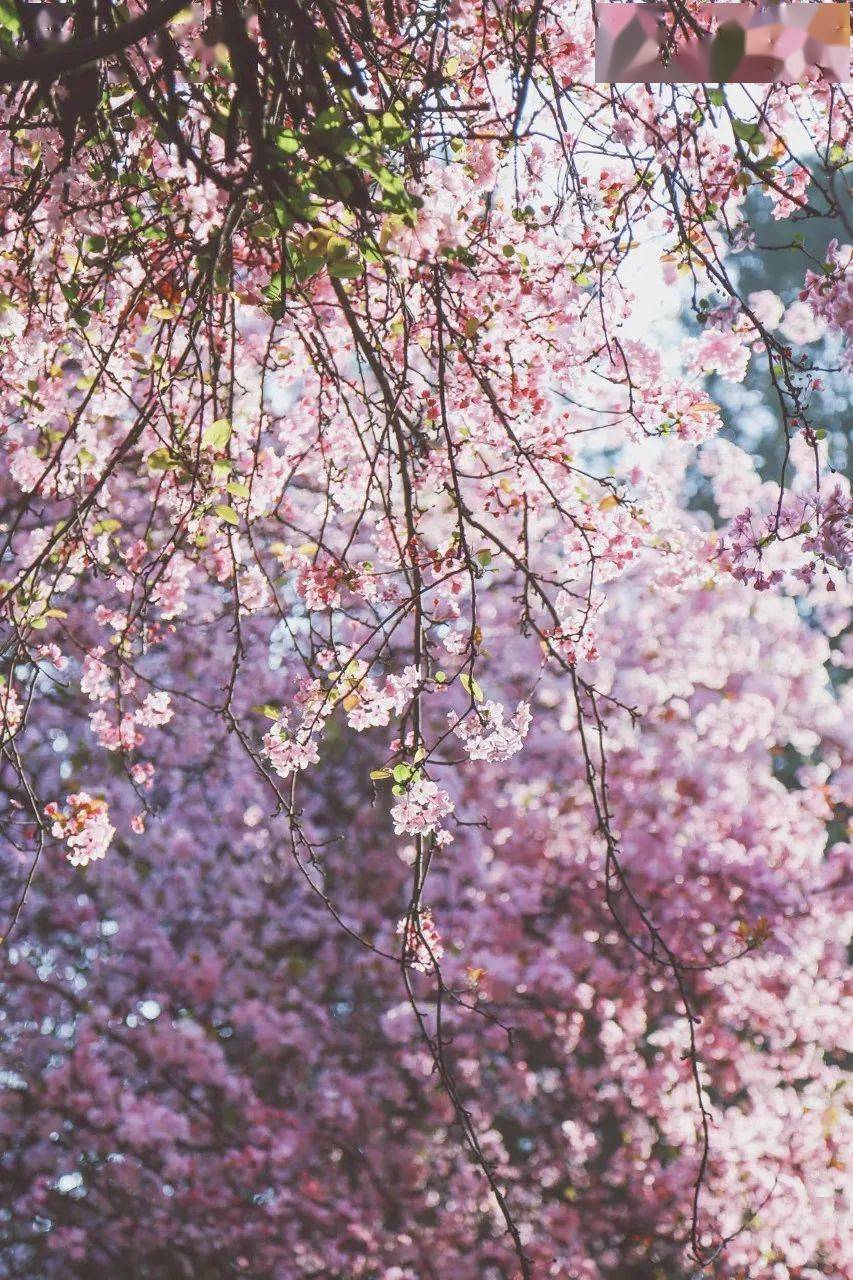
{"x":75,"y":54}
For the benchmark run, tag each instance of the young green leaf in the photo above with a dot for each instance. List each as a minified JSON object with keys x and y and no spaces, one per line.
{"x":217,"y":435}
{"x":470,"y":685}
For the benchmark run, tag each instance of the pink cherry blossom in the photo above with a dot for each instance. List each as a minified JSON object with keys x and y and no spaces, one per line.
{"x":84,"y":827}
{"x":767,"y":307}
{"x":421,"y":809}
{"x":718,"y":351}
{"x":800,"y":324}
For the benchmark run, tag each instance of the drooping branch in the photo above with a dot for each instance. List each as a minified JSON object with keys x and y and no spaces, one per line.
{"x":74,"y":55}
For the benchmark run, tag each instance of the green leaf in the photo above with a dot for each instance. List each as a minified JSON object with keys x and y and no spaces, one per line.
{"x":288,"y":141}
{"x":274,"y":288}
{"x":263,"y":231}
{"x":217,"y":434}
{"x":228,"y":514}
{"x":378,"y":774}
{"x":346,"y":269}
{"x":9,"y":19}
{"x":308,"y":266}
{"x":330,"y":118}
{"x":239,"y":489}
{"x":162,"y":460}
{"x":749,"y":132}
{"x":470,"y":685}
{"x":401,"y":773}
{"x":266,"y":709}
{"x":716,"y":96}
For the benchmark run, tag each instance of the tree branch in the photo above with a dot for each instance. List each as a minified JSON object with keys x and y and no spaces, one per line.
{"x":75,"y":54}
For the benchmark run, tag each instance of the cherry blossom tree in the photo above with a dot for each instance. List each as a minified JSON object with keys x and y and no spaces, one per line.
{"x":425,"y":840}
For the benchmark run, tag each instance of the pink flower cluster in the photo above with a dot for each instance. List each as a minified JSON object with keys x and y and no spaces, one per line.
{"x":487,"y":732}
{"x":829,"y":293}
{"x":808,"y":537}
{"x":11,"y":711}
{"x":717,"y":351}
{"x":421,"y":809}
{"x":290,"y":751}
{"x":422,"y":945}
{"x":84,"y":826}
